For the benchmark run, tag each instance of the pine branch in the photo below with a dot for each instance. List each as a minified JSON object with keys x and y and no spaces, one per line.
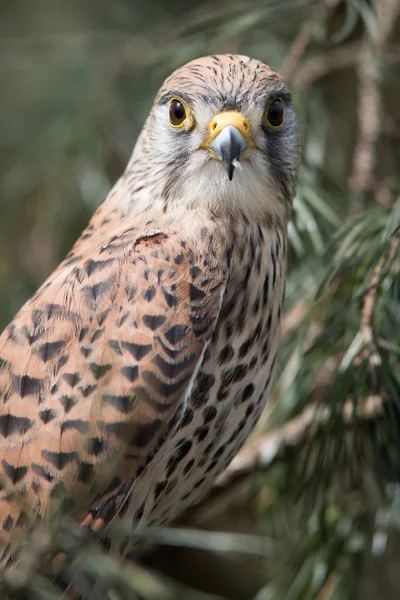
{"x":276,"y":444}
{"x":324,"y":64}
{"x":370,"y":305}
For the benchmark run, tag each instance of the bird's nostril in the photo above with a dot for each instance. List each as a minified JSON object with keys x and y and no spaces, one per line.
{"x":214,"y":126}
{"x":245,"y":125}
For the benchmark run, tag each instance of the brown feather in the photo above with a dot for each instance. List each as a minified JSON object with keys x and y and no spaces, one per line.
{"x":97,"y":366}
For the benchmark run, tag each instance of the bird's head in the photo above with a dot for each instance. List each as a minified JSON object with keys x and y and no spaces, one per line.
{"x":222,"y":135}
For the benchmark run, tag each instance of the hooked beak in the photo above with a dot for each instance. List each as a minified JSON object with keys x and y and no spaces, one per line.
{"x":229,"y":139}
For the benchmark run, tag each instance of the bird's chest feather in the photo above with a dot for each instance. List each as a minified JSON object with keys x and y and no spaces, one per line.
{"x":231,"y":387}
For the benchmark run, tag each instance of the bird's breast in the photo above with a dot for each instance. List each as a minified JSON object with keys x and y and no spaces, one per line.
{"x":230,"y":389}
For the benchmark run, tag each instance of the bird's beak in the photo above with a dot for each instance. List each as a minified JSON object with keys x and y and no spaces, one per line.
{"x":229,"y":139}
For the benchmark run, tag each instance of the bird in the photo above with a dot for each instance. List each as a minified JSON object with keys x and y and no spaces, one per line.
{"x":135,"y":373}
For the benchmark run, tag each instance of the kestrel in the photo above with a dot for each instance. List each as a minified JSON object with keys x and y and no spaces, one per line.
{"x":134,"y":374}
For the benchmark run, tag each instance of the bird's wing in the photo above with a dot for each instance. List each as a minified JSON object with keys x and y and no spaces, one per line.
{"x":95,"y":366}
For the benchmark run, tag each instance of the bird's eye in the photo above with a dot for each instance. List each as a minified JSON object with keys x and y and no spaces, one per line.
{"x":275,"y":113}
{"x":177,"y":113}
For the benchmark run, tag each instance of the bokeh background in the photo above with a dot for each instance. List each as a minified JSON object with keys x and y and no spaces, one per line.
{"x":312,"y":503}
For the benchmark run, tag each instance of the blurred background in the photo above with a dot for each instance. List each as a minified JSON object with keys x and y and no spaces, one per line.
{"x":310,"y":509}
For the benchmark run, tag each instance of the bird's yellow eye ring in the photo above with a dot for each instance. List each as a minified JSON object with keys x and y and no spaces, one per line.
{"x":274,"y":113}
{"x":177,"y":112}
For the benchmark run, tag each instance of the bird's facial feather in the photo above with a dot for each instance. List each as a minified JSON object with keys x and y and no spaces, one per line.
{"x":263,"y":182}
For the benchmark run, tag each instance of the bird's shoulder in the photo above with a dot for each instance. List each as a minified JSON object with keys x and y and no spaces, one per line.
{"x":134,"y":280}
{"x":106,"y":351}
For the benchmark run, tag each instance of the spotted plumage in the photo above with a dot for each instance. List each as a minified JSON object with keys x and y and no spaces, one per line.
{"x":135,"y":373}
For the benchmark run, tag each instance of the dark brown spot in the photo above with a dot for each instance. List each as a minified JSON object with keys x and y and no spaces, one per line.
{"x":94,"y":292}
{"x":170,"y":298}
{"x":68,"y":402}
{"x":219,"y":452}
{"x":266,"y":289}
{"x":172,"y":353}
{"x":83,"y":333}
{"x":195,"y":271}
{"x":226,"y":354}
{"x":253,"y":363}
{"x":183,"y":448}
{"x":95,"y":446}
{"x":26,"y":386}
{"x":47,"y":415}
{"x":36,"y":487}
{"x":245,"y":347}
{"x":160,"y":487}
{"x":249,"y":410}
{"x":201,"y":433}
{"x":187,"y":418}
{"x":131,"y":373}
{"x":153,"y":322}
{"x":195,"y":293}
{"x":144,"y":433}
{"x":199,"y":483}
{"x":97,"y":335}
{"x":86,"y":351}
{"x":211,"y":466}
{"x":209,"y":414}
{"x":122,"y":404}
{"x":138,"y":351}
{"x":171,"y":485}
{"x":91,"y":266}
{"x":114,"y":344}
{"x":76,"y":424}
{"x":222,"y":394}
{"x":87,"y":390}
{"x":247,"y":392}
{"x":85,"y":473}
{"x":10,"y":424}
{"x":149,"y":294}
{"x":140,"y":512}
{"x":200,"y":395}
{"x":172,"y":370}
{"x":122,"y":320}
{"x":39,"y":470}
{"x":208,"y":448}
{"x":49,"y":350}
{"x":99,"y":371}
{"x":234,"y":375}
{"x":72,"y":378}
{"x":8,"y":523}
{"x":188,"y":466}
{"x":164,"y":389}
{"x":15,"y":474}
{"x":59,"y":460}
{"x":143,"y":394}
{"x":175,"y":334}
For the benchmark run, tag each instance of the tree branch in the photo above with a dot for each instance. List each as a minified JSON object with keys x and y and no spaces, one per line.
{"x":361,"y":179}
{"x":275,"y":444}
{"x":304,"y":37}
